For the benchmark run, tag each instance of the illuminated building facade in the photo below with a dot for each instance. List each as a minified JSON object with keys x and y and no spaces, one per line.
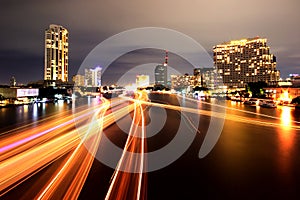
{"x":93,"y":77}
{"x":19,"y":92}
{"x":243,"y":61}
{"x":206,"y":77}
{"x":142,"y":80}
{"x":78,"y":80}
{"x":181,"y":82}
{"x":56,"y":53}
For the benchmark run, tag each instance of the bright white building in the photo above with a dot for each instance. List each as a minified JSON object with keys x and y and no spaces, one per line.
{"x":93,"y":77}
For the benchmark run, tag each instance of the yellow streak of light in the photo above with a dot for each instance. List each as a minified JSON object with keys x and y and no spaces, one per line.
{"x":19,"y":167}
{"x":238,"y":110}
{"x":227,"y":116}
{"x":26,"y":159}
{"x":119,"y":188}
{"x":78,"y":181}
{"x":286,"y":117}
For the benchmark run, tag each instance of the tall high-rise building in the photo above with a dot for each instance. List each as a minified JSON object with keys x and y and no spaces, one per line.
{"x":93,"y":77}
{"x":243,"y":61}
{"x":161,"y":75}
{"x":56,"y":53}
{"x":161,"y":72}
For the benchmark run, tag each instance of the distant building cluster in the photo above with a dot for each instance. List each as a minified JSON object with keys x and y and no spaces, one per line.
{"x":78,"y":80}
{"x":207,"y":77}
{"x":244,"y":61}
{"x":181,"y":82}
{"x":91,"y":77}
{"x":202,"y":77}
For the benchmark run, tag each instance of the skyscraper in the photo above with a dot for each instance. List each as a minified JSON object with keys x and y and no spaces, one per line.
{"x":93,"y":77}
{"x":161,"y":72}
{"x":56,"y":53}
{"x":243,"y":61}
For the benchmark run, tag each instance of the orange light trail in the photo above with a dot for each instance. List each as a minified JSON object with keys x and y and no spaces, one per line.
{"x":38,"y":152}
{"x":78,"y":181}
{"x":124,"y":184}
{"x":224,"y":115}
{"x":25,"y":151}
{"x":235,"y":109}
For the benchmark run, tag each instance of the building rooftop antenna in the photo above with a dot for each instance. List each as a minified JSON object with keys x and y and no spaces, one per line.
{"x":166,"y":58}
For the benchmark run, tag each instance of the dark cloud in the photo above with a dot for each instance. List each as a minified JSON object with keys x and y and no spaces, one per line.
{"x":90,"y":22}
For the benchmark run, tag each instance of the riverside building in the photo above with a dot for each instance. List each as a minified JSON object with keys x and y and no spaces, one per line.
{"x":243,"y":61}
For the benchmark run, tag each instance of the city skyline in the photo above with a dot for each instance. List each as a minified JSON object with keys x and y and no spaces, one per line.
{"x":208,"y":23}
{"x":137,"y":100}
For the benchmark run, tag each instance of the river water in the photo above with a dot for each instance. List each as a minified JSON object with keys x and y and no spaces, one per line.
{"x":249,"y":161}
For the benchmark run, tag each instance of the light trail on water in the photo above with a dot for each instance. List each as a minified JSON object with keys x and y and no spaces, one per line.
{"x":127,"y":180}
{"x":75,"y":137}
{"x":39,"y":150}
{"x":77,"y":182}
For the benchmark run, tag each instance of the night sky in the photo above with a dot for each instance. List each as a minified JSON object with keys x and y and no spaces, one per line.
{"x":90,"y":22}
